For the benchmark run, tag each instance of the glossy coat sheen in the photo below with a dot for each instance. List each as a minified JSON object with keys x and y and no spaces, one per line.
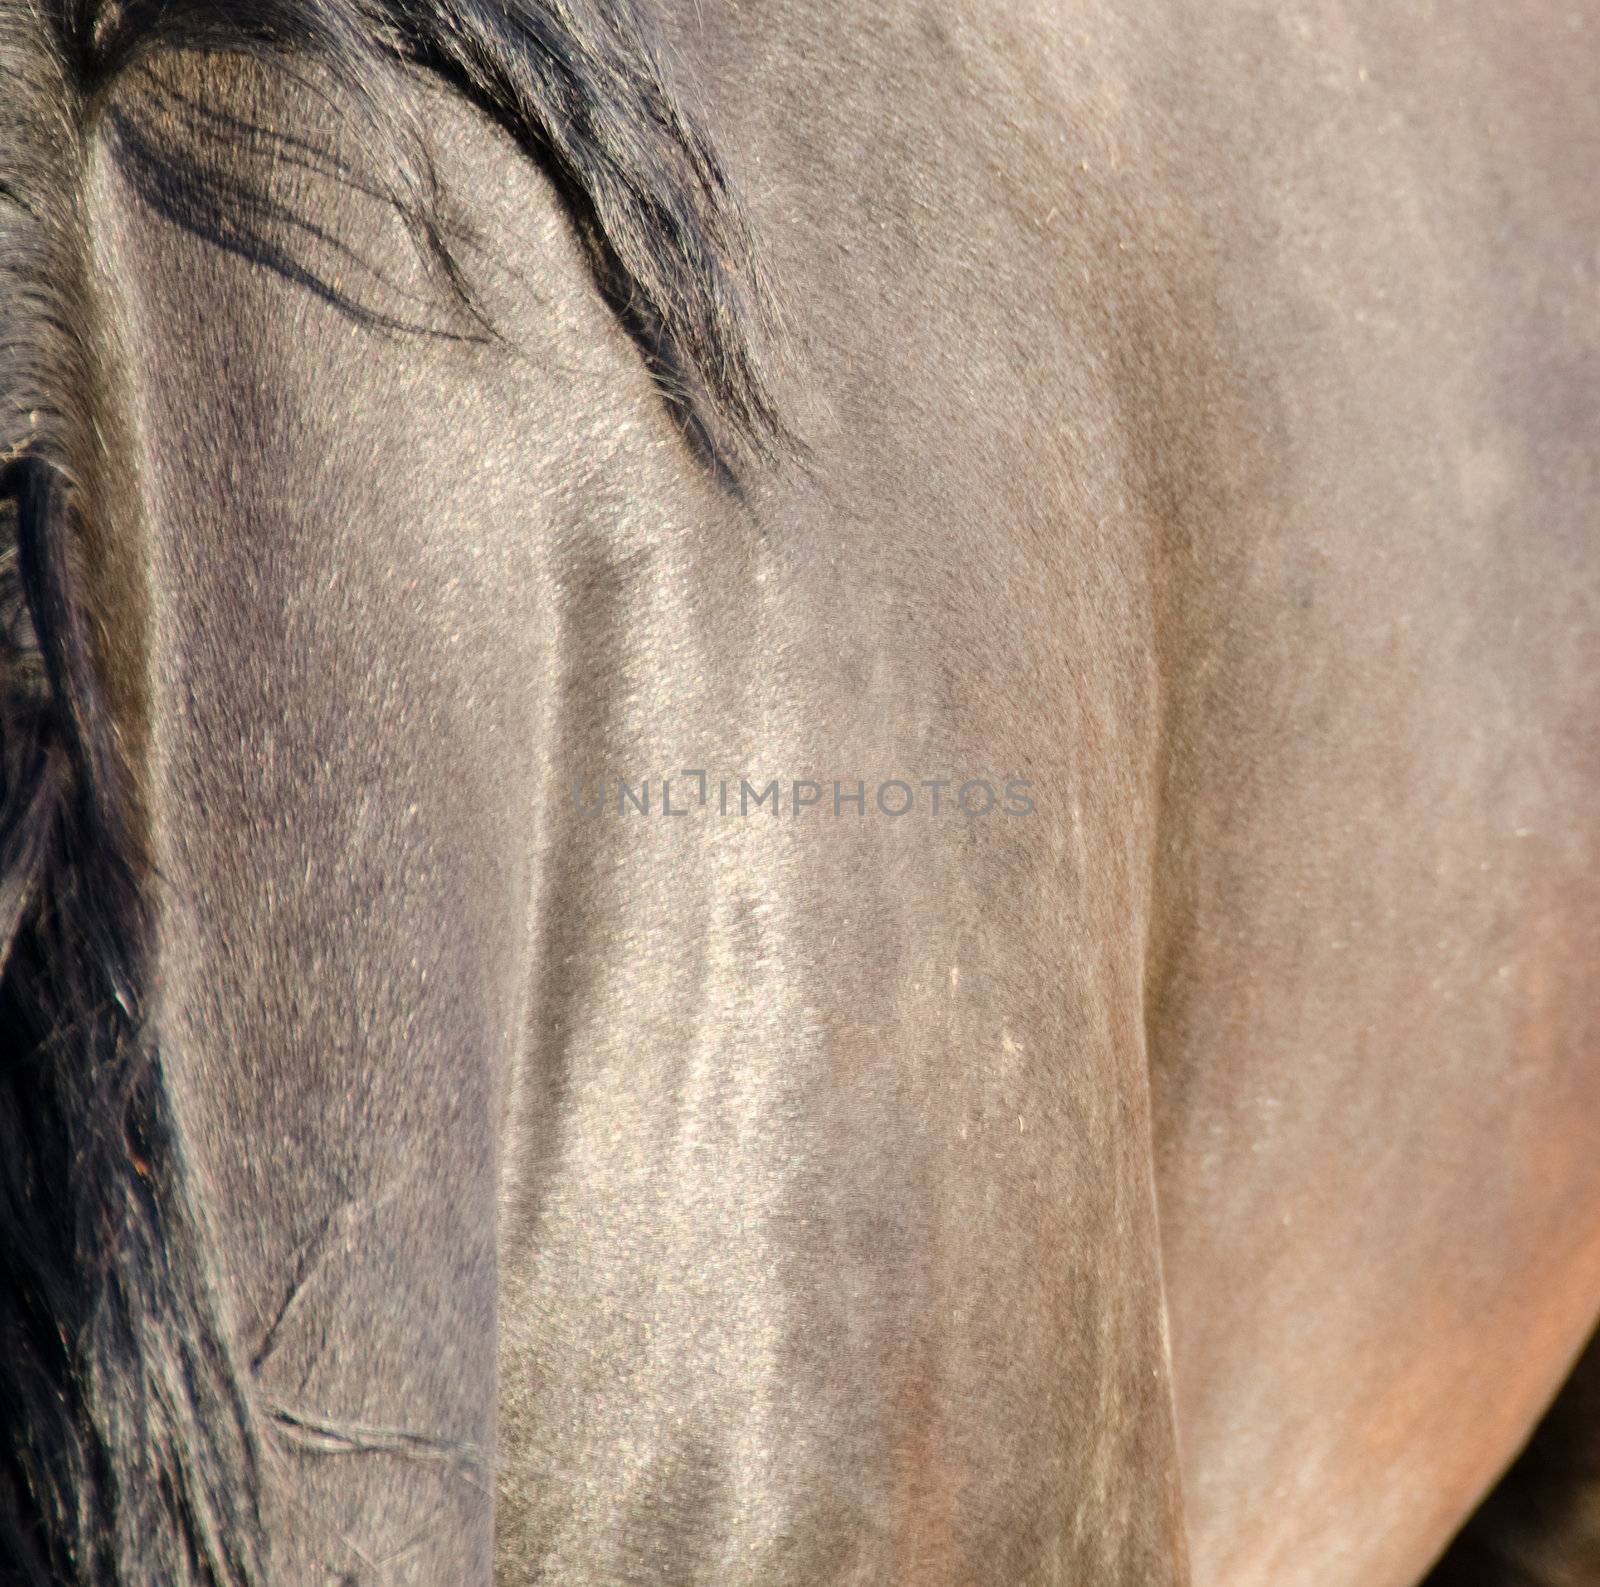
{"x":1196,"y":1179}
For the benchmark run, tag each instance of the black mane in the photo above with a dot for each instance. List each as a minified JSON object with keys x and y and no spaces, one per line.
{"x":132,"y":1442}
{"x":582,"y":89}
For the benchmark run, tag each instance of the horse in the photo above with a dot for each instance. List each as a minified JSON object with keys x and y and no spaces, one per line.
{"x":799,"y":793}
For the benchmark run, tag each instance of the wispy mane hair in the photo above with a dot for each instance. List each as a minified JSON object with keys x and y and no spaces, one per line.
{"x":581,"y":86}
